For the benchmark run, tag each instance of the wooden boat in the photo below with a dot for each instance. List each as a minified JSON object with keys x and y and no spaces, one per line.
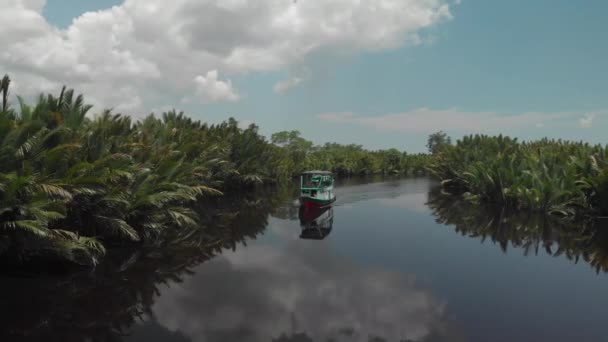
{"x":317,"y":189}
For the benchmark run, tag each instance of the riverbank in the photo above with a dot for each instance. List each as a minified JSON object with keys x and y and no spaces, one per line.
{"x":72,"y":186}
{"x":561,"y":178}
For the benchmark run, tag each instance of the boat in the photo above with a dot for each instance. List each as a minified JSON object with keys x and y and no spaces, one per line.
{"x":316,"y":223}
{"x":317,"y":189}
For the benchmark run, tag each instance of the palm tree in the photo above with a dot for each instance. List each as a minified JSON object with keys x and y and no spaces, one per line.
{"x":4,"y":85}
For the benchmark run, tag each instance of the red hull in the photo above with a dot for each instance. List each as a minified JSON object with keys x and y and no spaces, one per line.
{"x":308,"y":214}
{"x":306,"y":203}
{"x":312,"y":205}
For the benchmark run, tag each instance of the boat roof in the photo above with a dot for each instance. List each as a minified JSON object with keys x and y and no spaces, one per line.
{"x":316,"y":173}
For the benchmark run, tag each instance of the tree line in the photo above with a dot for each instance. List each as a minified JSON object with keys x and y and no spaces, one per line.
{"x":72,"y":184}
{"x":562,"y":178}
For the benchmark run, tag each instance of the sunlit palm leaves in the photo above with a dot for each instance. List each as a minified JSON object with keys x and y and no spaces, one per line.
{"x":74,"y":180}
{"x":551,"y":176}
{"x":29,"y":208}
{"x":71,"y":182}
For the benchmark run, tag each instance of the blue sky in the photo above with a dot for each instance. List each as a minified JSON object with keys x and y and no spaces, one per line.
{"x":523,"y":68}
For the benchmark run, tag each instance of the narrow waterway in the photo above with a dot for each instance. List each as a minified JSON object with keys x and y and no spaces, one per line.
{"x":390,"y":261}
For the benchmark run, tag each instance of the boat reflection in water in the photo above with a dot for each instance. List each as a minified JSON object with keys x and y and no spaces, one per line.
{"x":316,"y":223}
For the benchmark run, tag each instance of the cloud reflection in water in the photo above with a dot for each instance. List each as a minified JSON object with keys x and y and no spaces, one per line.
{"x":261,"y":292}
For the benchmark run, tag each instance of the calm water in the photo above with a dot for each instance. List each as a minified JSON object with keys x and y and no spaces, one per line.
{"x":381,"y":265}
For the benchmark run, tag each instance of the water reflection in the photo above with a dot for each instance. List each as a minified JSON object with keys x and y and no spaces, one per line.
{"x":101,"y":306}
{"x":287,"y":289}
{"x":105,"y":304}
{"x":386,"y":188}
{"x":300,"y":292}
{"x":316,"y":223}
{"x":585,"y":240}
{"x":411,"y":279}
{"x":279,"y":289}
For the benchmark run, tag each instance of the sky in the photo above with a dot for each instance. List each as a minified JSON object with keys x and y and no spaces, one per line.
{"x":378,"y":73}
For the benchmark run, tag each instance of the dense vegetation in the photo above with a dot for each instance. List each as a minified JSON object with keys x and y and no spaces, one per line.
{"x":346,"y":160}
{"x":550,"y":176}
{"x":71,"y":185}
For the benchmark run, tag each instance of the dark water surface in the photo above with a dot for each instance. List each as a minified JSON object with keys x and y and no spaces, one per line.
{"x":382,"y":265}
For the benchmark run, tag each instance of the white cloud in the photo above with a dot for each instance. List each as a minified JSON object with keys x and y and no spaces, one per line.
{"x":210,"y":89}
{"x":425,"y":120}
{"x":129,"y":106}
{"x":34,"y":5}
{"x":153,"y":49}
{"x":298,"y":76}
{"x":587,"y":120}
{"x":285,"y":85}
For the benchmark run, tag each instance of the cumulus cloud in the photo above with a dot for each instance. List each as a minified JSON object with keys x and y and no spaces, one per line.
{"x":33,"y":5}
{"x":587,"y":120}
{"x":210,"y":89}
{"x":155,"y":48}
{"x":262,"y":292}
{"x":426,"y":120}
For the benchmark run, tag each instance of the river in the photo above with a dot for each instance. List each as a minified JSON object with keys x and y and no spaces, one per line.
{"x":383,"y":264}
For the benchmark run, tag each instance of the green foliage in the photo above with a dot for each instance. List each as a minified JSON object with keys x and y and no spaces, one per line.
{"x":438,"y":141}
{"x":4,"y":85}
{"x":71,"y":184}
{"x":551,"y":176}
{"x":346,"y":160}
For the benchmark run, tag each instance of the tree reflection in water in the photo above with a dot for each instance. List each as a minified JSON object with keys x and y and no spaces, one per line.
{"x":247,"y":293}
{"x":585,"y":240}
{"x":104,"y":304}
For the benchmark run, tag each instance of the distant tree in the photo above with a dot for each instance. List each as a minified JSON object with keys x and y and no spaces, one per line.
{"x":391,"y":161}
{"x":292,"y":140}
{"x":438,"y":141}
{"x":297,"y":147}
{"x":4,"y":85}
